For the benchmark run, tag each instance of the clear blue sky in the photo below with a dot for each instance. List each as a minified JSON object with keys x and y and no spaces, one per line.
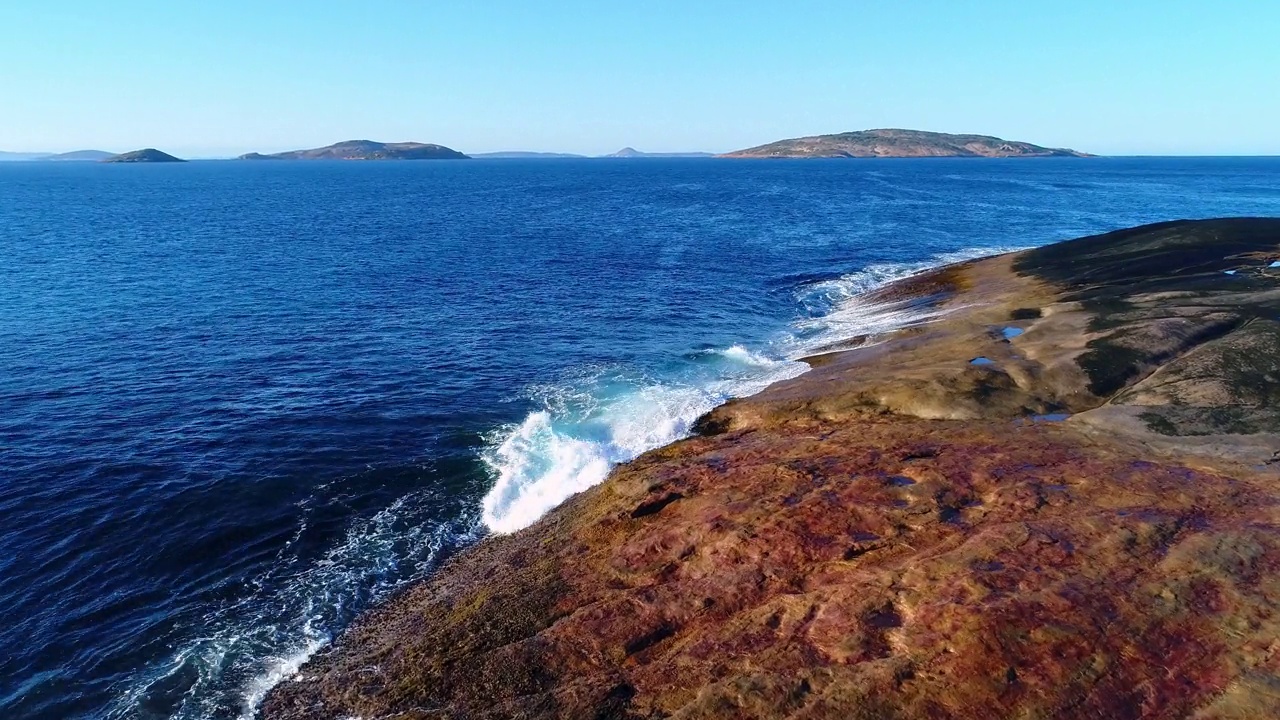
{"x":216,"y":78}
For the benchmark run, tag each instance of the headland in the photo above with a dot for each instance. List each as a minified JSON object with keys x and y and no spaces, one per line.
{"x":1058,"y":497}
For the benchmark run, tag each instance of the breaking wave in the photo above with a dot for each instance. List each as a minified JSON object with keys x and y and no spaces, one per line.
{"x":608,"y":416}
{"x":589,"y":422}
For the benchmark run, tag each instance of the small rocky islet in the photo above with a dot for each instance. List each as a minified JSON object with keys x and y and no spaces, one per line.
{"x":1086,"y":526}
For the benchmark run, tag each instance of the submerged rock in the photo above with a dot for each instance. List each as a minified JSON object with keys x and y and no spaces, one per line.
{"x":888,"y":537}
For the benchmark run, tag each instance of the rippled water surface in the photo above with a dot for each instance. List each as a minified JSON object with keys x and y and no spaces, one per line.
{"x":241,"y":402}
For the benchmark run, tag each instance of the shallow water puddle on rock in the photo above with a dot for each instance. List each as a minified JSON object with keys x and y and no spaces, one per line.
{"x":1011,"y":332}
{"x":982,"y":361}
{"x":1045,"y":418}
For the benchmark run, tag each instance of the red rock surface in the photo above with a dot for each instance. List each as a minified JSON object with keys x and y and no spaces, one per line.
{"x":893,"y":535}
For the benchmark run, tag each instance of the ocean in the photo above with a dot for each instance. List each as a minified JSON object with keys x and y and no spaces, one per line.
{"x":242,"y":402}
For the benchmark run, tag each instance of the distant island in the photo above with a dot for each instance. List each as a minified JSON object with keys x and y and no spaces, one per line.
{"x":626,"y":152}
{"x":147,"y":155}
{"x":888,"y":143}
{"x":525,"y":155}
{"x":630,"y":152}
{"x":77,"y":155}
{"x":881,"y":143}
{"x":21,"y":156}
{"x":366,"y":150}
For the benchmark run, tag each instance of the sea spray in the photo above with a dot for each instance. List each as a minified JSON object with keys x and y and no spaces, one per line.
{"x":585,"y":425}
{"x":579,"y":433}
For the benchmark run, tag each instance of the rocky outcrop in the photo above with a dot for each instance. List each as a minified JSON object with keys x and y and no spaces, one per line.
{"x":892,"y":142}
{"x":1083,"y":523}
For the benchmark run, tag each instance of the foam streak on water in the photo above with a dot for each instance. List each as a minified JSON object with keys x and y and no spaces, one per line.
{"x":589,"y":423}
{"x":252,"y":645}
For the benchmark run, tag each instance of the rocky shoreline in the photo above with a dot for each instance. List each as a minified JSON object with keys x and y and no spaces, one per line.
{"x":1058,"y":499}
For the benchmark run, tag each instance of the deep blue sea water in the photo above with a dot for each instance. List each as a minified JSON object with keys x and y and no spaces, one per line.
{"x":240,"y":402}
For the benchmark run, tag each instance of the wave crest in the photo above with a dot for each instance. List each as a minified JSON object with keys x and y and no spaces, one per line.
{"x":584,"y":426}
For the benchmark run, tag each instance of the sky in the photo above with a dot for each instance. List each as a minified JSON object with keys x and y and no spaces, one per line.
{"x":1145,"y":77}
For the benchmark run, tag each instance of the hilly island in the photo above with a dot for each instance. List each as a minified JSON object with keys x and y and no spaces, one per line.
{"x":147,"y":155}
{"x":366,"y":150}
{"x":891,"y":143}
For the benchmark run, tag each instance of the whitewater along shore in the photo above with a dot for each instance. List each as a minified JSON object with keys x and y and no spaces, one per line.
{"x":1058,"y":499}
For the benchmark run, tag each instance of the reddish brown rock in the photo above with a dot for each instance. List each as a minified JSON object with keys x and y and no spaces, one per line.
{"x":894,"y":535}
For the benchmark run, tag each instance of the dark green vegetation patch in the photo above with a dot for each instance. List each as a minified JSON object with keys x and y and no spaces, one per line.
{"x":1176,"y":420}
{"x":1185,"y":256}
{"x":1110,"y":366}
{"x":1135,"y":282}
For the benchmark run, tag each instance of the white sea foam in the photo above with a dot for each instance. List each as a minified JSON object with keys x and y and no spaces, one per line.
{"x":549,"y":457}
{"x":586,"y":425}
{"x":840,"y":309}
{"x":264,"y":638}
{"x":829,"y":294}
{"x":609,"y":418}
{"x":745,"y":356}
{"x":278,"y":669}
{"x":536,"y":468}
